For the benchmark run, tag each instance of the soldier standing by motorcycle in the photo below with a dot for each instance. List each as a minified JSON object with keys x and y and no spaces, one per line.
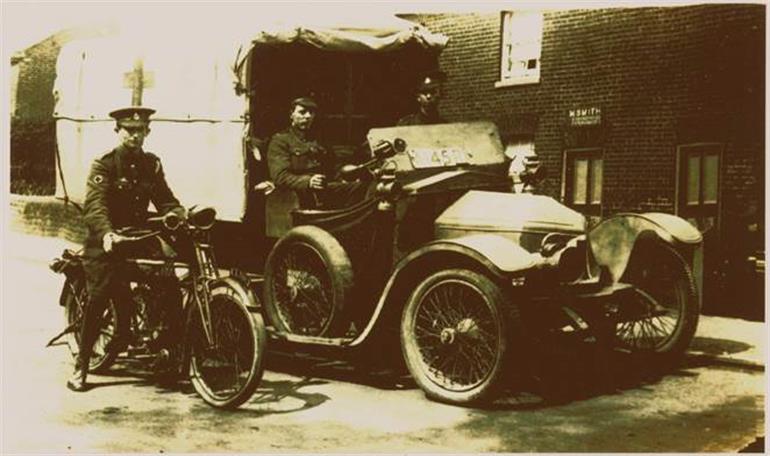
{"x":120,"y":185}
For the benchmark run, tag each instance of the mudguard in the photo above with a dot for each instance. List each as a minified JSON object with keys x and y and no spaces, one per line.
{"x":247,"y":297}
{"x":500,"y":256}
{"x":613,"y":239}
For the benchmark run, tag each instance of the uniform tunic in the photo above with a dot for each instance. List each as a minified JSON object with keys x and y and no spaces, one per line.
{"x":293,"y":159}
{"x":419,"y":118}
{"x":119,"y":188}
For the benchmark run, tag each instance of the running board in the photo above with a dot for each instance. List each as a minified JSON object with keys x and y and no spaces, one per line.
{"x":605,"y":291}
{"x":312,"y":340}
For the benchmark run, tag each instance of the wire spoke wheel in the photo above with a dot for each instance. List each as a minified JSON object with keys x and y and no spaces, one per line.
{"x":226,"y":373}
{"x":308,"y":277}
{"x":453,"y":336}
{"x":661,"y":315}
{"x":75,"y":299}
{"x":302,"y":288}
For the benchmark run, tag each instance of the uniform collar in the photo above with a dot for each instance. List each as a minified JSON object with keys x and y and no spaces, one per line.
{"x":123,"y":152}
{"x":303,"y":135}
{"x":126,"y":158}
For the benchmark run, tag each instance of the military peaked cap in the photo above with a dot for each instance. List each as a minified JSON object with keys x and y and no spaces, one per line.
{"x":305,"y":102}
{"x":134,"y":116}
{"x":432,"y":79}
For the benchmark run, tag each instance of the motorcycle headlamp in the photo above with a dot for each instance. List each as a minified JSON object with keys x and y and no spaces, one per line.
{"x":172,"y":221}
{"x":202,"y":218}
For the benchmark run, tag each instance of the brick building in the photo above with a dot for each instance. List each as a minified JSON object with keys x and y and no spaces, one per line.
{"x":33,"y":127}
{"x":633,"y":109}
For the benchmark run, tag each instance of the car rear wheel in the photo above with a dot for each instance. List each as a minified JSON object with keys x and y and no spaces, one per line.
{"x":661,"y":315}
{"x":308,"y":277}
{"x":454,"y":336}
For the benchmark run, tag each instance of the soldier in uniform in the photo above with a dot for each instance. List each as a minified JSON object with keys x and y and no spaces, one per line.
{"x":120,"y":185}
{"x":428,"y":97}
{"x":299,"y":162}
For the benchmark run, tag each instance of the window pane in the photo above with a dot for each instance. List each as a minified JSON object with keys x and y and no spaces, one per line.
{"x":597,"y":167}
{"x":579,"y":183}
{"x":693,"y":179}
{"x":521,"y":43}
{"x":710,"y":178}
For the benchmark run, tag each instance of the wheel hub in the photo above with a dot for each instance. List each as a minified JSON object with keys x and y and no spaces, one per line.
{"x":448,"y":336}
{"x":466,"y":327}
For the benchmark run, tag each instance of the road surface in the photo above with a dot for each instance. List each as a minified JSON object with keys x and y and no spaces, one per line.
{"x":584,"y":401}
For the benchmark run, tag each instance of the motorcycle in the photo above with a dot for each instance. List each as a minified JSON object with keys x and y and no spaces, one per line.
{"x":220,"y":342}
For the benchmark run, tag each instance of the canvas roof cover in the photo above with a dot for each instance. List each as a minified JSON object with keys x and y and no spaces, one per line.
{"x":188,"y":74}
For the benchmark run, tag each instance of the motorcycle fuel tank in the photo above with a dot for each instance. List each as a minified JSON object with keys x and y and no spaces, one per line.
{"x":522,"y":218}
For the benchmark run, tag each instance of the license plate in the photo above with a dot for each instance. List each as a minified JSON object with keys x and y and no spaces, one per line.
{"x":436,"y":158}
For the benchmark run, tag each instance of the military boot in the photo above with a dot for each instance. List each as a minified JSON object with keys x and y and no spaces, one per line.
{"x":77,"y":382}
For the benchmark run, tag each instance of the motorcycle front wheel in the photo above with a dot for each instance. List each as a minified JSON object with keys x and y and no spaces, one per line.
{"x":74,"y":298}
{"x":226,"y":372}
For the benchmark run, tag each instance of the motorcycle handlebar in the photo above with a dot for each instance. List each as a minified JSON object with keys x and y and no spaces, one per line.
{"x":201,"y":218}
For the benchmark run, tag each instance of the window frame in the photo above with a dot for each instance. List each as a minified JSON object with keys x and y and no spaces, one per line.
{"x":702,"y":209}
{"x":591,"y":154}
{"x":528,"y":76}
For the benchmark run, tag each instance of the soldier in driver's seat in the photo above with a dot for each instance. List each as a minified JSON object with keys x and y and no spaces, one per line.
{"x":297,"y":161}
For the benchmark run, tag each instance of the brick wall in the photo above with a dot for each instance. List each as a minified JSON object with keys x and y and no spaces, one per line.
{"x":33,"y":131}
{"x":46,"y":216}
{"x":661,"y":76}
{"x":33,"y":128}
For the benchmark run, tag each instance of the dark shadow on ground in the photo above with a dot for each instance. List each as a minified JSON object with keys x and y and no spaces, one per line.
{"x":546,"y":374}
{"x":712,"y":346}
{"x":273,"y":398}
{"x":386,"y":376}
{"x":267,"y":399}
{"x":568,"y":370}
{"x":553,"y":372}
{"x":90,"y":384}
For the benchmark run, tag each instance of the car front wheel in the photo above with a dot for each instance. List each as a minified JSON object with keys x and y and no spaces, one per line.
{"x":454,"y":336}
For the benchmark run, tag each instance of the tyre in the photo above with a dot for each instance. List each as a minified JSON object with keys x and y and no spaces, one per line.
{"x":454,"y":336}
{"x":661,"y":316}
{"x":308,"y":277}
{"x":227,"y":373}
{"x":74,"y":299}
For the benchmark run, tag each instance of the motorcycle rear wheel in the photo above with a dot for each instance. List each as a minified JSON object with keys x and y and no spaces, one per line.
{"x":74,"y":298}
{"x":226,"y":374}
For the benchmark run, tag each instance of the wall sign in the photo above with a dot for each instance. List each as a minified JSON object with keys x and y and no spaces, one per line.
{"x":585,"y":116}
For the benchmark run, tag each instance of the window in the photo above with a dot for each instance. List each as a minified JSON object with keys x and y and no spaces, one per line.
{"x":520,"y":52}
{"x":698,"y":185}
{"x":584,"y":173}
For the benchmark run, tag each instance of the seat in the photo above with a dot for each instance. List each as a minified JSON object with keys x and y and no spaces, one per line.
{"x":279,"y":205}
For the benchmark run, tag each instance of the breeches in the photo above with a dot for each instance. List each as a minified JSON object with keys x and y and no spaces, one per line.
{"x":107,"y":280}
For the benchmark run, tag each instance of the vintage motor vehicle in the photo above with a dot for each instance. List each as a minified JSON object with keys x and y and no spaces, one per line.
{"x":467,"y":274}
{"x":444,"y":264}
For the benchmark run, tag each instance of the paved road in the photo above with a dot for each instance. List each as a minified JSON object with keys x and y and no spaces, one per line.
{"x":582,"y":402}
